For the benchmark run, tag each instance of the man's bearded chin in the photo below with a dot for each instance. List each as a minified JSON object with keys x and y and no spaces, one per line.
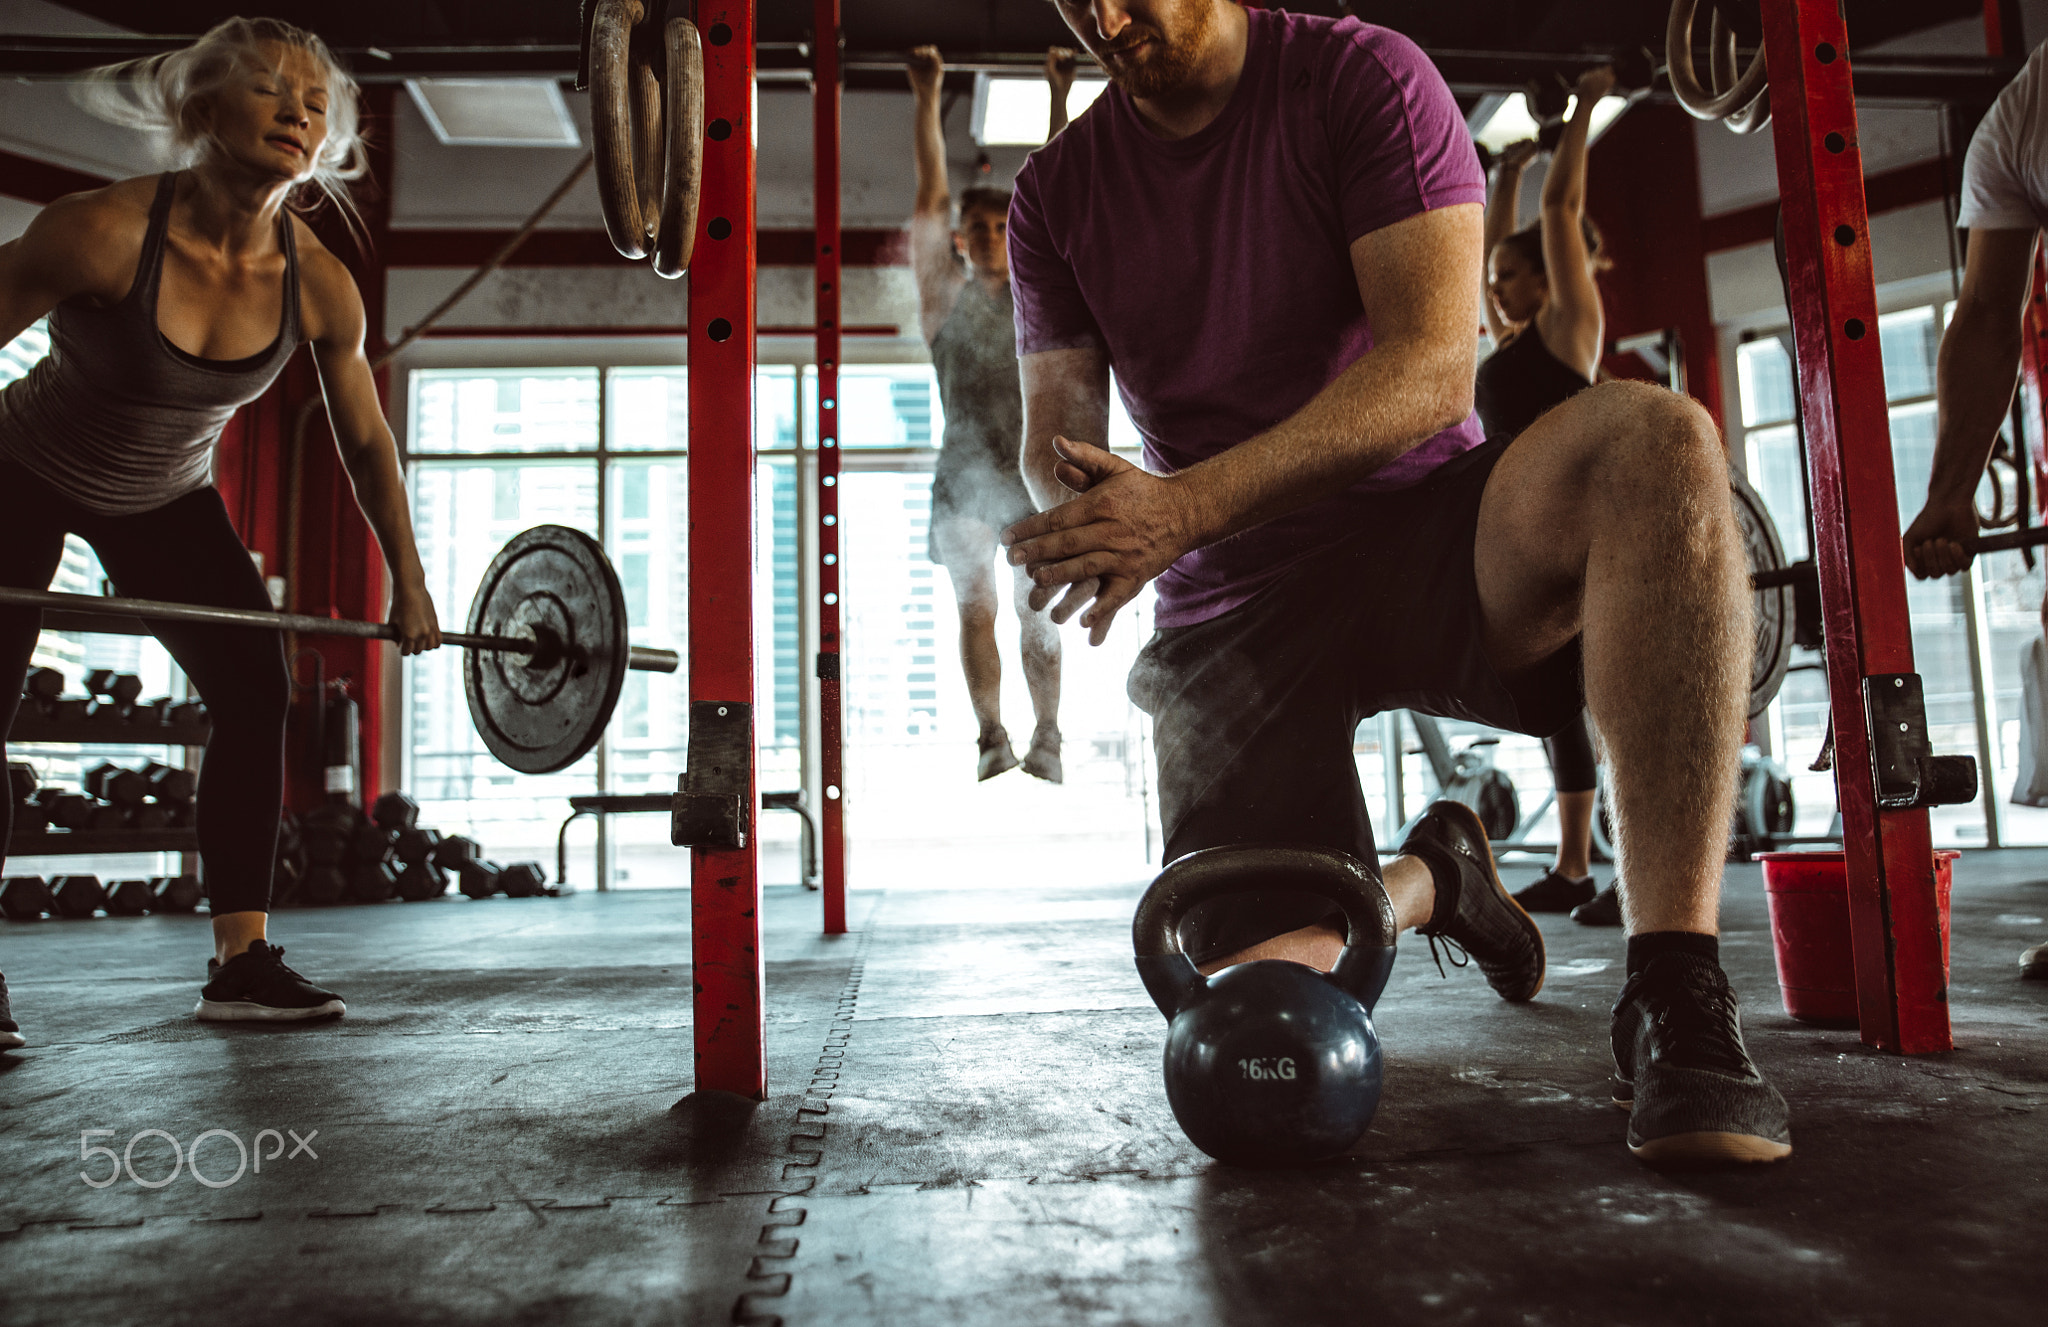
{"x":1170,"y":63}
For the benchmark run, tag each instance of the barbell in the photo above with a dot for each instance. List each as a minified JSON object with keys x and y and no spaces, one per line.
{"x":548,"y":653}
{"x":646,"y":80}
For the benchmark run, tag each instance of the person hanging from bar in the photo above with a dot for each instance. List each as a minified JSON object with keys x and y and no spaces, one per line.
{"x":965,"y":311}
{"x":1270,"y":230}
{"x":172,"y":301}
{"x":1544,"y":313}
{"x":2005,"y":204}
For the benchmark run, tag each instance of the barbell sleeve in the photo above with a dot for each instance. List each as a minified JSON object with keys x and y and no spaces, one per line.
{"x":640,"y":657}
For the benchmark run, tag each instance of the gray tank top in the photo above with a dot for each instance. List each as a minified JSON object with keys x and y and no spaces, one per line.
{"x":117,"y":418}
{"x":975,"y":358}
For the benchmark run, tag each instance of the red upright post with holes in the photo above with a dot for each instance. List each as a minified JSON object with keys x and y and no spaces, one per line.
{"x":725,"y":883}
{"x":1901,"y":986}
{"x":831,"y":711}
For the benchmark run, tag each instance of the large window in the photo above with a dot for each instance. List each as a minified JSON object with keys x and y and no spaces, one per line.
{"x":496,"y":451}
{"x":1968,"y":631}
{"x":606,"y":450}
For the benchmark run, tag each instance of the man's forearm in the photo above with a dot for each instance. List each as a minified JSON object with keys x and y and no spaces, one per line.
{"x":1391,"y":400}
{"x":1502,"y":207}
{"x":1979,"y":366}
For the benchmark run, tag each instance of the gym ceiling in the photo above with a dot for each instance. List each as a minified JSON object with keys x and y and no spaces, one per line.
{"x":1549,"y":26}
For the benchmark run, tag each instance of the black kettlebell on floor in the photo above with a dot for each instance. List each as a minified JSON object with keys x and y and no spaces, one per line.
{"x":1269,"y":1063}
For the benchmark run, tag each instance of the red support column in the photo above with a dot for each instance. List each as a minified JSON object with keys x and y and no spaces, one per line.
{"x":1901,"y":986}
{"x":725,"y":883}
{"x":831,"y":708}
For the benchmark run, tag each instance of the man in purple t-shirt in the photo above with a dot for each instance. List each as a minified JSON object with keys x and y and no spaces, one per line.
{"x":1270,"y":229}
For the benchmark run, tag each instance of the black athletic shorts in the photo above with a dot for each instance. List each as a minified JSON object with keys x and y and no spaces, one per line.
{"x":1254,"y":711}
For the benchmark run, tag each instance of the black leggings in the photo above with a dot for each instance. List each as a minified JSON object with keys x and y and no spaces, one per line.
{"x":1572,"y":766}
{"x":185,"y":550}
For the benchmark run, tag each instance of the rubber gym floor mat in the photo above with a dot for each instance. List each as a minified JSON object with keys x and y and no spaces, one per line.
{"x":988,"y":1159}
{"x":483,"y":1146}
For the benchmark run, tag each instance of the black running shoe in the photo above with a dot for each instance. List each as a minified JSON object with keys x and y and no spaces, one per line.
{"x":1555,"y":893}
{"x":10,"y":1031}
{"x":255,"y":986}
{"x":1604,"y":910}
{"x":1475,"y":914}
{"x":2033,"y":967}
{"x":1681,"y":1068}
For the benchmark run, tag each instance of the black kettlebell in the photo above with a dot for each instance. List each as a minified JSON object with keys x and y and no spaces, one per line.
{"x":1269,"y":1063}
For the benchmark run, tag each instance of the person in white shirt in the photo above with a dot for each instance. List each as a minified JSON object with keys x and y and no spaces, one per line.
{"x":2005,"y":205}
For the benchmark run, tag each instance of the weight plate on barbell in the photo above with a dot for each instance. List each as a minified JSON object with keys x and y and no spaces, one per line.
{"x":1775,"y":611}
{"x":541,"y":713}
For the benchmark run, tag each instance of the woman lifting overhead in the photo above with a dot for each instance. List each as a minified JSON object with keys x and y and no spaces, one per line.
{"x":1543,"y":310}
{"x":172,"y":301}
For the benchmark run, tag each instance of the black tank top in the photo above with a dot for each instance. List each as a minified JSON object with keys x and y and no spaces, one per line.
{"x":1520,"y":381}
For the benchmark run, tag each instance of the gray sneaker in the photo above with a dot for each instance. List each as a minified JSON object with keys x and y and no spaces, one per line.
{"x":10,"y":1031}
{"x":1681,"y":1068}
{"x":1475,"y":914}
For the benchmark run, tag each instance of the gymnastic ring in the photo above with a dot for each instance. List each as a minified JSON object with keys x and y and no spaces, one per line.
{"x":1699,"y":103}
{"x":683,"y":104}
{"x":1721,"y":49}
{"x":625,"y":124}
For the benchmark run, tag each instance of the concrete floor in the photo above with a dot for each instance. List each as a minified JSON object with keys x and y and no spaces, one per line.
{"x":967,"y":1126}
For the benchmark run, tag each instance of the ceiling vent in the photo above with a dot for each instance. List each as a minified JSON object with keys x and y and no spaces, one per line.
{"x":495,"y":112}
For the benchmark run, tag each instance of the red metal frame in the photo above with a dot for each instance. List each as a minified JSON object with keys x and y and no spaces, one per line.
{"x":1901,"y":985}
{"x":725,"y":883}
{"x":831,"y":708}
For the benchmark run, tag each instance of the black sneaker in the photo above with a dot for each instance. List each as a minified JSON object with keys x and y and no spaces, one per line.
{"x":1475,"y":914}
{"x":2033,"y":967}
{"x":1604,"y":910}
{"x":1555,"y":893}
{"x":10,"y":1031}
{"x":255,"y":986}
{"x":1680,"y":1067}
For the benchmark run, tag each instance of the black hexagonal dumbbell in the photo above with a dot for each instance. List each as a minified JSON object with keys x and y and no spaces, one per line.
{"x":417,"y":845}
{"x":78,"y":896}
{"x":23,"y":898}
{"x":372,"y":882}
{"x":150,"y":815}
{"x":169,"y":784}
{"x":43,"y":688}
{"x":129,"y":898}
{"x":122,"y":787}
{"x":322,"y":885}
{"x":21,"y":782}
{"x":452,"y":851}
{"x":395,"y":811}
{"x":107,"y":816}
{"x":176,"y":893}
{"x":121,"y":690}
{"x":66,"y":810}
{"x":479,"y":878}
{"x":523,"y":880}
{"x":421,"y":881}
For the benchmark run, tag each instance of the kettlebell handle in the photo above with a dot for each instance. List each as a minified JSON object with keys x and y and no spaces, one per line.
{"x":1370,"y":925}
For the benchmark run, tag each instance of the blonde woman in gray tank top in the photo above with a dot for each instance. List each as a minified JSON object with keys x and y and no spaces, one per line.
{"x":966,"y":315}
{"x":172,"y":301}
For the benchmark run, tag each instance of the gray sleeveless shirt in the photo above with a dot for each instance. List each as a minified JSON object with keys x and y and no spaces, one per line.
{"x":974,"y":357}
{"x":117,"y":418}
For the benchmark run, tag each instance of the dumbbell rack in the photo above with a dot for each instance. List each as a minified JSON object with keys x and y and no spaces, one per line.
{"x":30,"y":725}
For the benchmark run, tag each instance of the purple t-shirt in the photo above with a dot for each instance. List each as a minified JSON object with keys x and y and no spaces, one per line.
{"x":1215,"y":270}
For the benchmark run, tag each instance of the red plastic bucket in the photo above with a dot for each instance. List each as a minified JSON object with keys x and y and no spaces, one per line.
{"x":1809,"y":900}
